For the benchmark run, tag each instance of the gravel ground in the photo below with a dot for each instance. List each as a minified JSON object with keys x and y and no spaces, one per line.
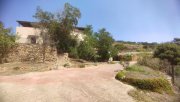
{"x":92,"y":84}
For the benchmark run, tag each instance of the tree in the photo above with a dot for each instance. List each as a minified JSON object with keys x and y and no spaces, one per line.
{"x":59,"y":26}
{"x":104,"y":44}
{"x":7,"y":40}
{"x":170,"y":52}
{"x":86,"y":49}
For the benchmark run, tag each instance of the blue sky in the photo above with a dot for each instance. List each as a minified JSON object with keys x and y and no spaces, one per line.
{"x":129,"y":20}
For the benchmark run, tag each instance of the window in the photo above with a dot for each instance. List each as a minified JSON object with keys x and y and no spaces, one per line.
{"x":33,"y":40}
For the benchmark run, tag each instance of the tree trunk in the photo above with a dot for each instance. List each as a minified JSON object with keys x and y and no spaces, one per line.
{"x":173,"y":74}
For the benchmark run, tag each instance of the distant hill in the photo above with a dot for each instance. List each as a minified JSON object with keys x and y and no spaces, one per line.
{"x":136,"y":46}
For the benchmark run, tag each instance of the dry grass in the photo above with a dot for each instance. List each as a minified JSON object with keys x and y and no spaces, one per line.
{"x":146,"y":96}
{"x":21,"y":68}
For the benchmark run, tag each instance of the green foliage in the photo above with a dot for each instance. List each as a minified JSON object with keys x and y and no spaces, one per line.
{"x":86,"y":49}
{"x":104,"y":45}
{"x":59,"y":26}
{"x":73,"y":52}
{"x":87,"y":52}
{"x":135,"y":68}
{"x":127,"y":57}
{"x":16,"y":68}
{"x":168,"y":51}
{"x":7,"y":41}
{"x":146,"y":79}
{"x":120,"y":47}
{"x":82,"y":66}
{"x":120,"y":75}
{"x":171,"y":53}
{"x":151,"y":62}
{"x":157,"y":85}
{"x":66,"y":65}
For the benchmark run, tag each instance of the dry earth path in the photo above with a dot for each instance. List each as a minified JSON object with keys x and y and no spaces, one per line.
{"x":92,"y":84}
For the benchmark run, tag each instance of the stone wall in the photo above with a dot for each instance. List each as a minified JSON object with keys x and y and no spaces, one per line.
{"x":31,"y":52}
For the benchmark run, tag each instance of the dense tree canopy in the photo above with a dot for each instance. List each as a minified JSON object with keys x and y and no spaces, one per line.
{"x":170,"y":52}
{"x":104,"y":44}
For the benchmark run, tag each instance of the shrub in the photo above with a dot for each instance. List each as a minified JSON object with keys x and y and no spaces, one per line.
{"x":150,"y":62}
{"x":73,"y":52}
{"x":159,"y":85}
{"x":86,"y":51}
{"x":136,"y":75}
{"x":120,"y":47}
{"x":66,"y":65}
{"x":154,"y":63}
{"x":135,"y":68}
{"x":82,"y":66}
{"x":16,"y":68}
{"x":120,"y":75}
{"x":127,"y":57}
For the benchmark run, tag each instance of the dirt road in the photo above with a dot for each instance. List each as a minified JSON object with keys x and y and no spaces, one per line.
{"x":93,"y":84}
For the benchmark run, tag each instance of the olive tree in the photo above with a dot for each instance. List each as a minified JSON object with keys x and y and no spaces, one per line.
{"x":58,"y":26}
{"x":170,"y":52}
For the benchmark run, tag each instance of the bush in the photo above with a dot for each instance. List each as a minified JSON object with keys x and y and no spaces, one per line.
{"x":159,"y":85}
{"x":66,"y":65}
{"x":154,"y":63}
{"x":135,"y":68}
{"x":120,"y":75}
{"x":73,"y":52}
{"x":16,"y":68}
{"x":86,"y":51}
{"x":82,"y":66}
{"x":120,"y":47}
{"x":127,"y":57}
{"x":136,"y":75}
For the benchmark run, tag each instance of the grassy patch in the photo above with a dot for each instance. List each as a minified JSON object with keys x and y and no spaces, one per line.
{"x":146,"y":96}
{"x":135,"y":68}
{"x":120,"y":75}
{"x":145,"y":78}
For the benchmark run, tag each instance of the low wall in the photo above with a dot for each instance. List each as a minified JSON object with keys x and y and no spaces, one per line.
{"x":31,"y":52}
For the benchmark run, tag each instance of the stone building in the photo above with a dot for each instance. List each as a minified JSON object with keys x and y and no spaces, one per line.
{"x":29,"y":46}
{"x":29,"y":34}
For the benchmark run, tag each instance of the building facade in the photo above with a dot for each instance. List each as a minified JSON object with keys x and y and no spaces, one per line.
{"x":28,"y":34}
